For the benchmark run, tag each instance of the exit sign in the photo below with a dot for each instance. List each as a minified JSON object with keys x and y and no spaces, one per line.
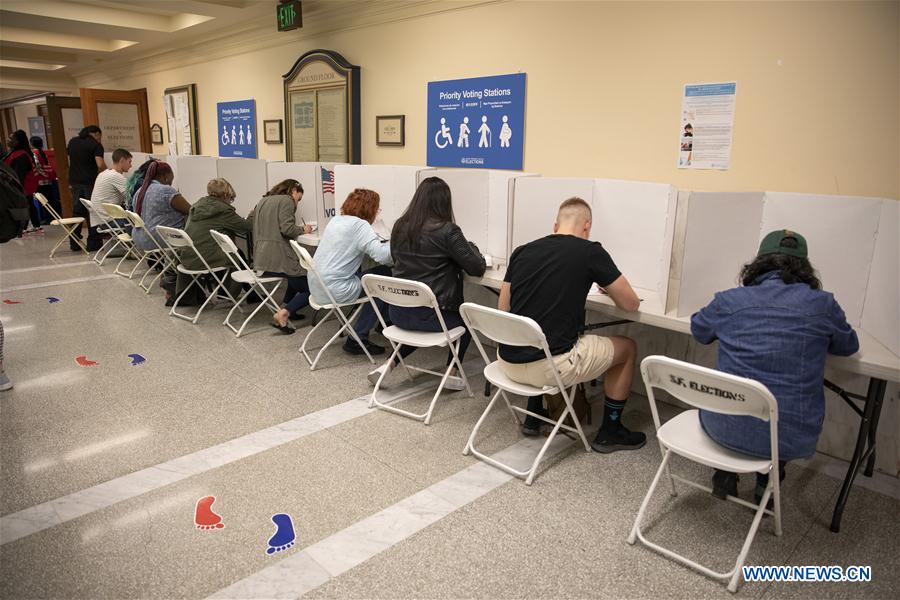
{"x":288,"y":15}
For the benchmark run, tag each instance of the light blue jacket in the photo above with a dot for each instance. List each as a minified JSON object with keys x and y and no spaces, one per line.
{"x":339,"y":255}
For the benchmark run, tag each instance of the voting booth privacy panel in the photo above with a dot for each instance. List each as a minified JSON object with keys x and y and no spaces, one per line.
{"x":395,"y":185}
{"x":635,"y":222}
{"x":317,"y":180}
{"x":248,"y":177}
{"x":853,"y":244}
{"x":192,"y":174}
{"x":481,"y":206}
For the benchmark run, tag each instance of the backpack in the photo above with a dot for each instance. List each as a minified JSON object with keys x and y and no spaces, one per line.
{"x":30,"y":184}
{"x":13,"y":205}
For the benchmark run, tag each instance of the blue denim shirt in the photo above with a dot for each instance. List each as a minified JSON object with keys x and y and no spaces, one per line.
{"x":778,"y":334}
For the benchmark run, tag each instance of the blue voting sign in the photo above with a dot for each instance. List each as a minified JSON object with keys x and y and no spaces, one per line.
{"x":477,"y":123}
{"x":237,"y":128}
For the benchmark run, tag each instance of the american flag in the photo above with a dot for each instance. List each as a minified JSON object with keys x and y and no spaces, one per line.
{"x":327,"y":181}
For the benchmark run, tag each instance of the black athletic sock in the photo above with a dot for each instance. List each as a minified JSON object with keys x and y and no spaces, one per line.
{"x":612,"y":413}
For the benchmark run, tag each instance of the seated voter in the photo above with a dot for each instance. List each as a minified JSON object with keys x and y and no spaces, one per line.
{"x":158,"y":203}
{"x":548,"y":280}
{"x":428,"y":246}
{"x":213,"y":211}
{"x":109,"y":187}
{"x":274,"y":223}
{"x":777,"y":328}
{"x":347,"y":239}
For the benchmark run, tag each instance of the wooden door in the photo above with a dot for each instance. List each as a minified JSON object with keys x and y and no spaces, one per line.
{"x":122,"y":115}
{"x":63,"y":127}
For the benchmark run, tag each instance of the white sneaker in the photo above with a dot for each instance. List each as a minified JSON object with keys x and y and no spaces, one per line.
{"x":5,"y":383}
{"x":454,"y":383}
{"x":376,"y":373}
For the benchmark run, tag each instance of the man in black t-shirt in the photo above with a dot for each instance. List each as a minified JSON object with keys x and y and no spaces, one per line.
{"x":85,"y":163}
{"x":548,"y":280}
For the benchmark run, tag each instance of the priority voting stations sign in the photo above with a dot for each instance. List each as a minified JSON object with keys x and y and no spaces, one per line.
{"x":237,"y":128}
{"x":477,"y":123}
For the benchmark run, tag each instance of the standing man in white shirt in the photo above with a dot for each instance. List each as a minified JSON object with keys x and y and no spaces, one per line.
{"x":110,"y":184}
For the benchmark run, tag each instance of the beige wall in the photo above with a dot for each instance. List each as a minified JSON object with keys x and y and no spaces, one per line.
{"x":817,"y":100}
{"x":25,"y":110}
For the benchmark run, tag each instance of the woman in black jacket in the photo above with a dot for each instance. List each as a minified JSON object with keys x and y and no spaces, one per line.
{"x":428,"y":246}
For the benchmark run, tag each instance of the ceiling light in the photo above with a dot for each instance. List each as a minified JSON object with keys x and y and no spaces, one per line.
{"x":22,"y":64}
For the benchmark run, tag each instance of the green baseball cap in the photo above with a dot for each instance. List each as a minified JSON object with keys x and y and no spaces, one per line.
{"x":771,"y":244}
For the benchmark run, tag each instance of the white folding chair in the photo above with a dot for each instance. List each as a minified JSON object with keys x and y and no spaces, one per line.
{"x":162,"y":255}
{"x":334,"y":309}
{"x":115,"y":213}
{"x":244,"y":274}
{"x":103,"y":226}
{"x":177,"y":239}
{"x":69,"y":224}
{"x":409,"y":294}
{"x":514,"y":330}
{"x":719,"y":392}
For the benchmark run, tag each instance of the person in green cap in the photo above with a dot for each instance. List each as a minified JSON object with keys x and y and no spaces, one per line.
{"x":777,"y":328}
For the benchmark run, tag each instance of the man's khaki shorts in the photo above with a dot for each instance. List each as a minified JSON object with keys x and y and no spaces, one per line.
{"x":590,"y":358}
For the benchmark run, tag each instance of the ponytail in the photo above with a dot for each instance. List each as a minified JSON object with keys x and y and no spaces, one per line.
{"x":155,"y":170}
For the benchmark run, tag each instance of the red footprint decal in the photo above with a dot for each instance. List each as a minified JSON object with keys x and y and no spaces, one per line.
{"x":8,"y":301}
{"x":204,"y":517}
{"x":84,"y":361}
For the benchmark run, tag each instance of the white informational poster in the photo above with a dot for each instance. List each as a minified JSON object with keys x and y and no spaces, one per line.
{"x":707,"y":126}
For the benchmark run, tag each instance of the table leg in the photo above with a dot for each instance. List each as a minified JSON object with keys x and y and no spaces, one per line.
{"x":867,"y":425}
{"x":873,"y":429}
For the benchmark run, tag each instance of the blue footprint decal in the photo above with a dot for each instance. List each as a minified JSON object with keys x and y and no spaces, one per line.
{"x":284,"y":535}
{"x":52,"y":300}
{"x":136,"y":359}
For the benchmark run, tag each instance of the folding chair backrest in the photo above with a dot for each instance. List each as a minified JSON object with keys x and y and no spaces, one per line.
{"x":114,"y":210}
{"x":179,"y":240}
{"x":709,"y":389}
{"x":231,"y":251}
{"x":399,"y":292}
{"x":503,"y":327}
{"x":309,"y":265}
{"x":136,"y":220}
{"x":176,"y":238}
{"x":46,"y":205}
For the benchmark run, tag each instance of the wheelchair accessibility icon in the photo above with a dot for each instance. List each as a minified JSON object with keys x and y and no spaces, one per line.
{"x":443,"y":134}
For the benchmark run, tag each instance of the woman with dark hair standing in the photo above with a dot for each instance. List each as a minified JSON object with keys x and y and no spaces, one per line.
{"x":274,"y":225}
{"x":428,"y":246}
{"x":777,"y":328}
{"x":48,"y":183}
{"x":20,"y":160}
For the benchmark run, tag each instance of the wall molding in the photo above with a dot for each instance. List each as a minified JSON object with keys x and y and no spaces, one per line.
{"x":258,"y":35}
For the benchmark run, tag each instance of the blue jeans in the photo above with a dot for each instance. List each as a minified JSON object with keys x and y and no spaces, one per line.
{"x":367,"y":316}
{"x":297,"y":294}
{"x":423,"y":318}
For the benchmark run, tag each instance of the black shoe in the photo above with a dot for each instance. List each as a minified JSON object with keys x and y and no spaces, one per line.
{"x":758,"y":495}
{"x":295,"y":316}
{"x":286,"y":330}
{"x":352,"y":347}
{"x":620,"y":438}
{"x":532,"y":425}
{"x":724,"y":484}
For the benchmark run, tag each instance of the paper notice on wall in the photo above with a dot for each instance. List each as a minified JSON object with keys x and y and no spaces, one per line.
{"x":707,"y":126}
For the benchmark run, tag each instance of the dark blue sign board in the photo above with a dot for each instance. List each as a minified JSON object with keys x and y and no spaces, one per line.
{"x":477,"y":123}
{"x":237,"y":128}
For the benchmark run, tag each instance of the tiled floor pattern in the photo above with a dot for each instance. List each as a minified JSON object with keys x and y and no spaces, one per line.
{"x":383,"y":507}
